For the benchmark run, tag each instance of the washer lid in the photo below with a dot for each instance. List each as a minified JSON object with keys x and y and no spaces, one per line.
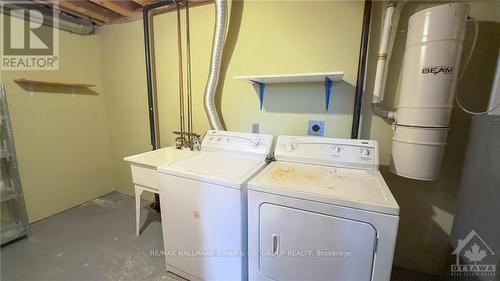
{"x":359,"y":189}
{"x":219,"y":168}
{"x":159,"y":157}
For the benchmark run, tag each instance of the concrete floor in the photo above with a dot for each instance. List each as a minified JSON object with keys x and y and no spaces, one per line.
{"x":96,"y":241}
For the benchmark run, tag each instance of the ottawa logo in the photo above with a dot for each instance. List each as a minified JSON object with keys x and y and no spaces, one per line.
{"x":472,"y":257}
{"x":437,"y":69}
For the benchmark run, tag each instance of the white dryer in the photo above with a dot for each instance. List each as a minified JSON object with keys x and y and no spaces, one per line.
{"x":204,"y":204}
{"x":322,"y":211}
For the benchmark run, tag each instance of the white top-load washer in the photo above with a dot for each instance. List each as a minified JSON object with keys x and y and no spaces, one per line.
{"x":203,"y":206}
{"x":322,"y":211}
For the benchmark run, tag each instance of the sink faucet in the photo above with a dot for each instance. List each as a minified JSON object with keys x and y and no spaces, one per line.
{"x":192,"y":142}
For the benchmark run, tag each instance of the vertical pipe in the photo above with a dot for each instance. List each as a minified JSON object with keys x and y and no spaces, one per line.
{"x":360,"y":81}
{"x":149,"y":81}
{"x":181,"y":72}
{"x":378,"y":93}
{"x":188,"y":74}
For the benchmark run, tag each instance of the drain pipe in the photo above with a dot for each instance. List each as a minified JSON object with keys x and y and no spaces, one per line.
{"x":149,"y":76}
{"x":215,"y":62}
{"x":378,"y":94}
{"x":149,"y":82}
{"x":360,"y":81}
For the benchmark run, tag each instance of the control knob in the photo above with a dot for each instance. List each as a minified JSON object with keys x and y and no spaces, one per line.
{"x":255,"y":142}
{"x":337,"y":149}
{"x":290,"y":146}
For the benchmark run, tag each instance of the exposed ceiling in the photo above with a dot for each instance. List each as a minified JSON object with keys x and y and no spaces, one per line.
{"x":107,"y":11}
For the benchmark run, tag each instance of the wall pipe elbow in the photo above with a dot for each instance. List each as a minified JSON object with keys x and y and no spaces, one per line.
{"x":384,"y":114}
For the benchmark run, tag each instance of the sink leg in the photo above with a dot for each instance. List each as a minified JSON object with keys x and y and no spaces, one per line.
{"x":138,"y":193}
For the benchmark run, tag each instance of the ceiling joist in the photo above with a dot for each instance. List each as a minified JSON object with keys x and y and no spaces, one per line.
{"x":113,"y":6}
{"x":141,"y":2}
{"x":111,"y":11}
{"x":74,"y":7}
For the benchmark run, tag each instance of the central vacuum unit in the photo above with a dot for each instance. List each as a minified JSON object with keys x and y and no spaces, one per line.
{"x":429,"y":78}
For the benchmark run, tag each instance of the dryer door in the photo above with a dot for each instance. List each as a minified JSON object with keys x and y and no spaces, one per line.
{"x":300,"y":245}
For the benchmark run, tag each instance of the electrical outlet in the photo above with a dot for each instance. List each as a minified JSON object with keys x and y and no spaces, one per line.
{"x":255,"y":128}
{"x":316,"y":128}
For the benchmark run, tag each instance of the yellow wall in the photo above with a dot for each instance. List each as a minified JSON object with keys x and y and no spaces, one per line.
{"x":62,"y":140}
{"x":122,"y":53}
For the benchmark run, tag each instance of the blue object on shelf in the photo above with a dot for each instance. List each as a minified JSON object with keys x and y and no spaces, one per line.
{"x":262,"y":87}
{"x":328,"y":91}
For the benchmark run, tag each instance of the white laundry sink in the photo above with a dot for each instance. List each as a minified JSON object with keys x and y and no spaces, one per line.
{"x":143,"y":166}
{"x":144,"y":175}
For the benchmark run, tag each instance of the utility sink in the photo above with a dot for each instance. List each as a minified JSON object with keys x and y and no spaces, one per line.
{"x":143,"y":166}
{"x":144,"y":175}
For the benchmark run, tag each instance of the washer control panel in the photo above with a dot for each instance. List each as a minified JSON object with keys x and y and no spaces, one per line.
{"x":245,"y":143}
{"x":347,"y":153}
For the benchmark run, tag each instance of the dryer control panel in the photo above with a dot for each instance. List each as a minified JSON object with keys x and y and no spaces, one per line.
{"x":257,"y":145}
{"x":346,"y":153}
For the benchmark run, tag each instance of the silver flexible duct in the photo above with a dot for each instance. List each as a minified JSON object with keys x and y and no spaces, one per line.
{"x":66,"y":22}
{"x":215,"y":61}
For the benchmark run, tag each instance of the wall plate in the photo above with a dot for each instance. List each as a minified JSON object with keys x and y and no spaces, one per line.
{"x":316,"y":128}
{"x":255,"y":128}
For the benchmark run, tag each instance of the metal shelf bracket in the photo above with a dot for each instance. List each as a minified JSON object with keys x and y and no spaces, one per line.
{"x":328,"y":92}
{"x":262,"y":88}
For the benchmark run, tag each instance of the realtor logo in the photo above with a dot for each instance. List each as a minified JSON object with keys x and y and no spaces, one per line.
{"x":30,"y":36}
{"x":471,"y":256}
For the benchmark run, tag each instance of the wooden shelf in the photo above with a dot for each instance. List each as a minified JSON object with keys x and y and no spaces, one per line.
{"x":53,"y":83}
{"x":326,"y":77}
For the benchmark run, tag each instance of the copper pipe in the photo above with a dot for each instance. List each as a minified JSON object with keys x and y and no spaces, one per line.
{"x":188,"y":73}
{"x":181,"y":77}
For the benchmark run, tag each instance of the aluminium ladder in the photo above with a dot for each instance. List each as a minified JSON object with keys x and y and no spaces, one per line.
{"x":14,"y":220}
